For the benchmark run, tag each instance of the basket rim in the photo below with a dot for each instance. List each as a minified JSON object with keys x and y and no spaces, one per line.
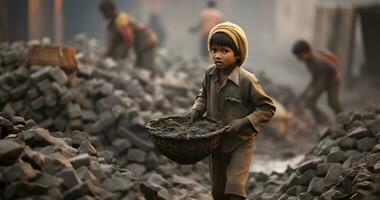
{"x":188,"y":136}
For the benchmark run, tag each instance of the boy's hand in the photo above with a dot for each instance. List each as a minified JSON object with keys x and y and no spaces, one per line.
{"x":239,"y":125}
{"x":194,"y":116}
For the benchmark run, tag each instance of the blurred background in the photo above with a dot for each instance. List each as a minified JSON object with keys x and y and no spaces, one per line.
{"x":272,"y":26}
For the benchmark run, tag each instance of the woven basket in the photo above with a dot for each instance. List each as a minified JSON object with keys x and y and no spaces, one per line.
{"x":187,"y":149}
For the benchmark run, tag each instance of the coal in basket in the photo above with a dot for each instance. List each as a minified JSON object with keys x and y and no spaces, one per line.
{"x":185,"y":142}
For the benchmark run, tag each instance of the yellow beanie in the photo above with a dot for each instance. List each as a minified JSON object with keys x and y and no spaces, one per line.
{"x":236,"y":34}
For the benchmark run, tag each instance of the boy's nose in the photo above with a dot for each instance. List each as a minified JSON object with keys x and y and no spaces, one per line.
{"x":217,"y":55}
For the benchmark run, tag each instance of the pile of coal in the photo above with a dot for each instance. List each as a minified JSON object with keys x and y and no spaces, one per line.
{"x":38,"y":164}
{"x":345,"y":164}
{"x":182,"y":127}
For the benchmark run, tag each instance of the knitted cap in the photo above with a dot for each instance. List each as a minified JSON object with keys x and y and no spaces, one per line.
{"x":236,"y":34}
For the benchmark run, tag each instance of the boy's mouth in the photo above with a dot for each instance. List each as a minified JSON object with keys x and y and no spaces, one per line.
{"x":218,"y":63}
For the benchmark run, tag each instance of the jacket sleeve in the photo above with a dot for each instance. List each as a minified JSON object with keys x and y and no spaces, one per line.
{"x":264,"y":106}
{"x":200,"y":103}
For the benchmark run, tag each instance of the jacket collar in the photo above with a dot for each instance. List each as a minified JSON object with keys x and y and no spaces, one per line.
{"x":234,"y":75}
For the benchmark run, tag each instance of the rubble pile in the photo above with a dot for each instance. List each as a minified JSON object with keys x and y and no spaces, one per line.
{"x":38,"y":164}
{"x":109,"y":107}
{"x":345,"y":164}
{"x":111,"y":103}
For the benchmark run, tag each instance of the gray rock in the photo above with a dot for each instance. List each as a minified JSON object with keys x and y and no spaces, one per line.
{"x":377,"y":167}
{"x":83,"y":189}
{"x":184,"y":182}
{"x":155,"y":179}
{"x":376,"y":149}
{"x":322,"y":169}
{"x":296,"y":190}
{"x":46,"y":123}
{"x":107,"y":155}
{"x":136,"y":169}
{"x":306,"y":196}
{"x":358,"y":196}
{"x":49,"y":181}
{"x":44,"y":85}
{"x":364,"y":175}
{"x":51,"y":100}
{"x":55,"y":163}
{"x":85,"y":174}
{"x":152,"y":160}
{"x":74,"y":110}
{"x":38,"y":103}
{"x":337,"y":156}
{"x":60,"y":123}
{"x":135,"y":140}
{"x":107,"y":169}
{"x":80,"y":160}
{"x":306,"y":177}
{"x":9,"y":152}
{"x":359,"y":132}
{"x":19,"y":91}
{"x":311,"y":164}
{"x":37,"y":137}
{"x":366,"y":144}
{"x":328,"y":194}
{"x":165,"y":170}
{"x":32,"y":157}
{"x":70,"y":177}
{"x":54,"y":193}
{"x":334,"y":172}
{"x":18,"y":120}
{"x":316,"y":186}
{"x":365,"y":185}
{"x":78,"y":137}
{"x":372,"y":159}
{"x":105,"y":120}
{"x":41,"y":74}
{"x":117,"y":184}
{"x":374,"y":127}
{"x":23,"y":189}
{"x":136,"y":155}
{"x":346,"y":143}
{"x":86,"y":147}
{"x":121,"y":145}
{"x":58,"y":75}
{"x":20,"y":171}
{"x":88,"y":116}
{"x":32,"y":93}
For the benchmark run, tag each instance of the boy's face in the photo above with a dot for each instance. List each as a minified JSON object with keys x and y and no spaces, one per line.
{"x":223,"y":56}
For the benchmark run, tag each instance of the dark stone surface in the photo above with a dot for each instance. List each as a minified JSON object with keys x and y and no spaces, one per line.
{"x":9,"y":152}
{"x":366,"y":144}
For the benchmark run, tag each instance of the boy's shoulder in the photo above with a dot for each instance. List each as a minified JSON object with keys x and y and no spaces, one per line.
{"x":210,"y":68}
{"x":247,"y":75}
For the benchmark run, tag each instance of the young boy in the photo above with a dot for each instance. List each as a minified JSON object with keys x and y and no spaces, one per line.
{"x":233,"y":96}
{"x":325,"y":77}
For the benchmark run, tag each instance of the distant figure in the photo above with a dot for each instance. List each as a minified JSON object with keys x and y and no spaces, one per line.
{"x":125,"y":32}
{"x":156,"y":25}
{"x":325,"y":77}
{"x":210,"y":17}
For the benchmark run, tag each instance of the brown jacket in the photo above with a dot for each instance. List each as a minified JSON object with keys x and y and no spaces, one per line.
{"x":239,"y":96}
